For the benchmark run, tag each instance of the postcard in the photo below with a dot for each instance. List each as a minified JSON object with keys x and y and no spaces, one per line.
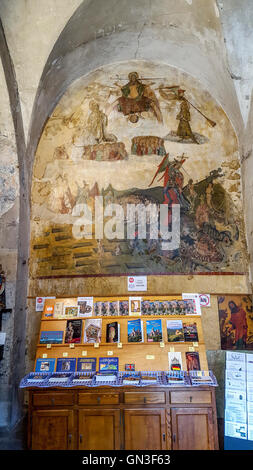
{"x":135,"y":305}
{"x":97,"y":309}
{"x":113,"y":308}
{"x":123,"y":307}
{"x":71,"y":311}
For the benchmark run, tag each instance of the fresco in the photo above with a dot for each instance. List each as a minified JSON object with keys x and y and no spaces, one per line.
{"x":236,"y":321}
{"x":137,"y":133}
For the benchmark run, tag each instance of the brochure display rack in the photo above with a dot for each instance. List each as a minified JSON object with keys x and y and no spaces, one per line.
{"x":163,"y":337}
{"x":109,"y":370}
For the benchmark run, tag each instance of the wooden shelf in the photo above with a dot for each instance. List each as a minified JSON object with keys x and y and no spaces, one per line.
{"x":125,"y":317}
{"x":67,"y":345}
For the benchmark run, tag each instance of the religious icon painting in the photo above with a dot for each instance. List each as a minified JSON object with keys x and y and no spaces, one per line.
{"x":236,"y":321}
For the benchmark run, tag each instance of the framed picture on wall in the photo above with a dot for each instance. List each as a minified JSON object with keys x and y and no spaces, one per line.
{"x":236,"y":321}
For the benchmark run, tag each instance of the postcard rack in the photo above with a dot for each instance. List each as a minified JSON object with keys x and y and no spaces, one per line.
{"x":181,"y":378}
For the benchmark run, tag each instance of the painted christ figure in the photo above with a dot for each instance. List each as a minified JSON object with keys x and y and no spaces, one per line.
{"x":136,"y":98}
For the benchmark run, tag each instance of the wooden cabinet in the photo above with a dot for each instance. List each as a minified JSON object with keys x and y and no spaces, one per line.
{"x":99,"y":429}
{"x":52,"y":430}
{"x":145,"y":429}
{"x":192,"y":429}
{"x":108,"y":418}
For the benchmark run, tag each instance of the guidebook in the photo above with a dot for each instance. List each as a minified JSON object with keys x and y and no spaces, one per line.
{"x":108,"y":364}
{"x":154,"y":331}
{"x":175,"y":361}
{"x":45,"y":365}
{"x":87,"y":364}
{"x":58,"y":309}
{"x":85,"y":305}
{"x":113,"y":332}
{"x":92,"y":331}
{"x":108,"y":368}
{"x":192,"y":360}
{"x":51,"y":337}
{"x":66,"y":365}
{"x":190,"y":332}
{"x":48,"y":310}
{"x":175,"y":331}
{"x":135,"y":331}
{"x":73,"y":331}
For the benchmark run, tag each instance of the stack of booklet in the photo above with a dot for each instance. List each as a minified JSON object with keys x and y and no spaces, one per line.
{"x":82,"y":377}
{"x":108,"y":368}
{"x":106,"y":377}
{"x":131,"y":379}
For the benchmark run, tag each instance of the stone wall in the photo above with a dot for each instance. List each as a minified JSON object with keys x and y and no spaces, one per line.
{"x":52,"y":43}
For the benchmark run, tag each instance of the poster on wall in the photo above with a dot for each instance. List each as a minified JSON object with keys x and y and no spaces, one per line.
{"x":236,"y":321}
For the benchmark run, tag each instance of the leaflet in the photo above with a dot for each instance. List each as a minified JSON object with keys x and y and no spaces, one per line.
{"x":238,"y":430}
{"x":236,"y":380}
{"x":234,"y":356}
{"x":196,"y":299}
{"x":236,"y":365}
{"x":235,"y":396}
{"x":236,"y":413}
{"x":250,"y":419}
{"x":249,"y":363}
{"x":249,"y":394}
{"x":250,"y":432}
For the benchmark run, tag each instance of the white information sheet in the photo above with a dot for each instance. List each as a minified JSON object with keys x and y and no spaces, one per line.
{"x":40,"y":303}
{"x":238,"y":430}
{"x":137,"y":283}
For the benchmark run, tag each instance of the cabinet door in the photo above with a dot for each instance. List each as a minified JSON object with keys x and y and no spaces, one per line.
{"x":192,"y":428}
{"x":145,"y":429}
{"x":99,"y":429}
{"x":52,"y":430}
